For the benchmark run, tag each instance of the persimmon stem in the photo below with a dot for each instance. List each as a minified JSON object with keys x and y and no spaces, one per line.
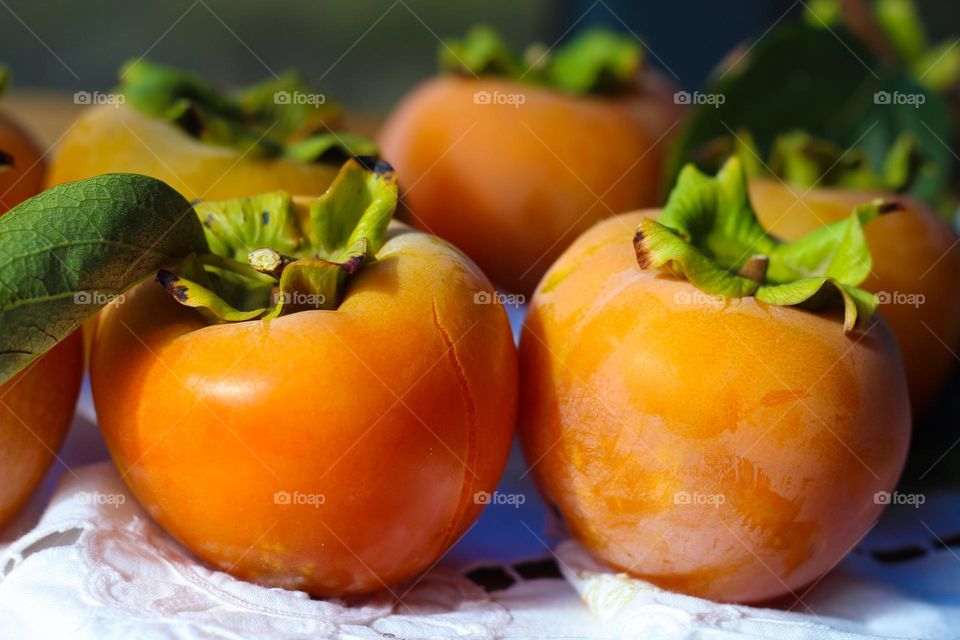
{"x":756,"y":268}
{"x":234,"y":266}
{"x":269,"y":261}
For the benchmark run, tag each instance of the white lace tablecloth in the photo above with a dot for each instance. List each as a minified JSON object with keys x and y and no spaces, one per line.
{"x":84,"y":561}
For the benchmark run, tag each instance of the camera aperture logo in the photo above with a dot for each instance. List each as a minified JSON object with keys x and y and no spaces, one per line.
{"x":698,"y":98}
{"x":913,"y":499}
{"x":92,"y":98}
{"x":515,"y":300}
{"x":499,"y":98}
{"x":99,"y":298}
{"x":115,"y":500}
{"x":299,"y":97}
{"x":914,"y":100}
{"x":914,"y":300}
{"x":697,"y":498}
{"x":298,"y":499}
{"x":300,"y":299}
{"x":698,"y":297}
{"x":497,"y":498}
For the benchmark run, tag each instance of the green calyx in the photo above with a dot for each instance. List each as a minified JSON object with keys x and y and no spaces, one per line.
{"x":936,"y":66}
{"x":71,"y":250}
{"x":272,"y":253}
{"x":709,"y":234}
{"x":282,"y":117}
{"x":595,"y":62}
{"x":805,"y":162}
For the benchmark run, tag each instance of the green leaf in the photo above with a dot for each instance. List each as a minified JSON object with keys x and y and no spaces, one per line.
{"x":331,"y":146}
{"x":799,"y":77}
{"x":282,"y":116}
{"x":4,"y":79}
{"x":315,"y":283}
{"x":359,"y":204}
{"x":596,"y":61}
{"x":823,"y":12}
{"x":481,"y":52}
{"x":289,"y":101}
{"x":299,"y":254}
{"x":153,"y":89}
{"x":938,"y":69}
{"x":70,"y":250}
{"x":805,"y":162}
{"x":235,"y":227}
{"x":901,"y":23}
{"x":193,"y":288}
{"x":709,"y":234}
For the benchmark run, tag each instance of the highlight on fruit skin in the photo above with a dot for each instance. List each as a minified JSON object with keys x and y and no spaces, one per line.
{"x":510,"y":159}
{"x":179,"y":128}
{"x":706,"y":442}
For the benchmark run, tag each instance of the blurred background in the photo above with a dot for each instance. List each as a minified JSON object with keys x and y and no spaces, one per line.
{"x":367,"y":53}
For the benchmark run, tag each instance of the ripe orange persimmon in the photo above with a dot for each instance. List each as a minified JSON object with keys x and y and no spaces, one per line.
{"x":336,"y":451}
{"x":916,"y":270}
{"x":511,"y":171}
{"x":36,"y":406}
{"x":21,"y":165}
{"x":118,"y":139}
{"x":172,"y":125}
{"x":705,"y":444}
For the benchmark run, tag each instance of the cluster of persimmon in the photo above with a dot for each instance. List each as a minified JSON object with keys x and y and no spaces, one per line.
{"x":308,"y":394}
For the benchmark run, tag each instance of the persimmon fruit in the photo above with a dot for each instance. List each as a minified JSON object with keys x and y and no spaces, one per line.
{"x":37,"y":405}
{"x":511,"y":171}
{"x":118,"y":139}
{"x":21,"y":165}
{"x":175,"y":126}
{"x":336,"y":450}
{"x":722,"y":447}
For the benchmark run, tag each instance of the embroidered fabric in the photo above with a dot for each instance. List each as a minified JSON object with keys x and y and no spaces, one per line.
{"x":85,"y":561}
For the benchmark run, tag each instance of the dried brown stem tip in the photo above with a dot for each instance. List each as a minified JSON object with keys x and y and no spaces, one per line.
{"x":643,"y":256}
{"x":268,"y":261}
{"x":756,"y":268}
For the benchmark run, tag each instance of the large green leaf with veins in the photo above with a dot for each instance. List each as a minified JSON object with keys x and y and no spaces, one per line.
{"x":70,"y":250}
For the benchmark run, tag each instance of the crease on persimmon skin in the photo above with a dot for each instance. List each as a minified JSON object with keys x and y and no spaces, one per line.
{"x":470,"y":463}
